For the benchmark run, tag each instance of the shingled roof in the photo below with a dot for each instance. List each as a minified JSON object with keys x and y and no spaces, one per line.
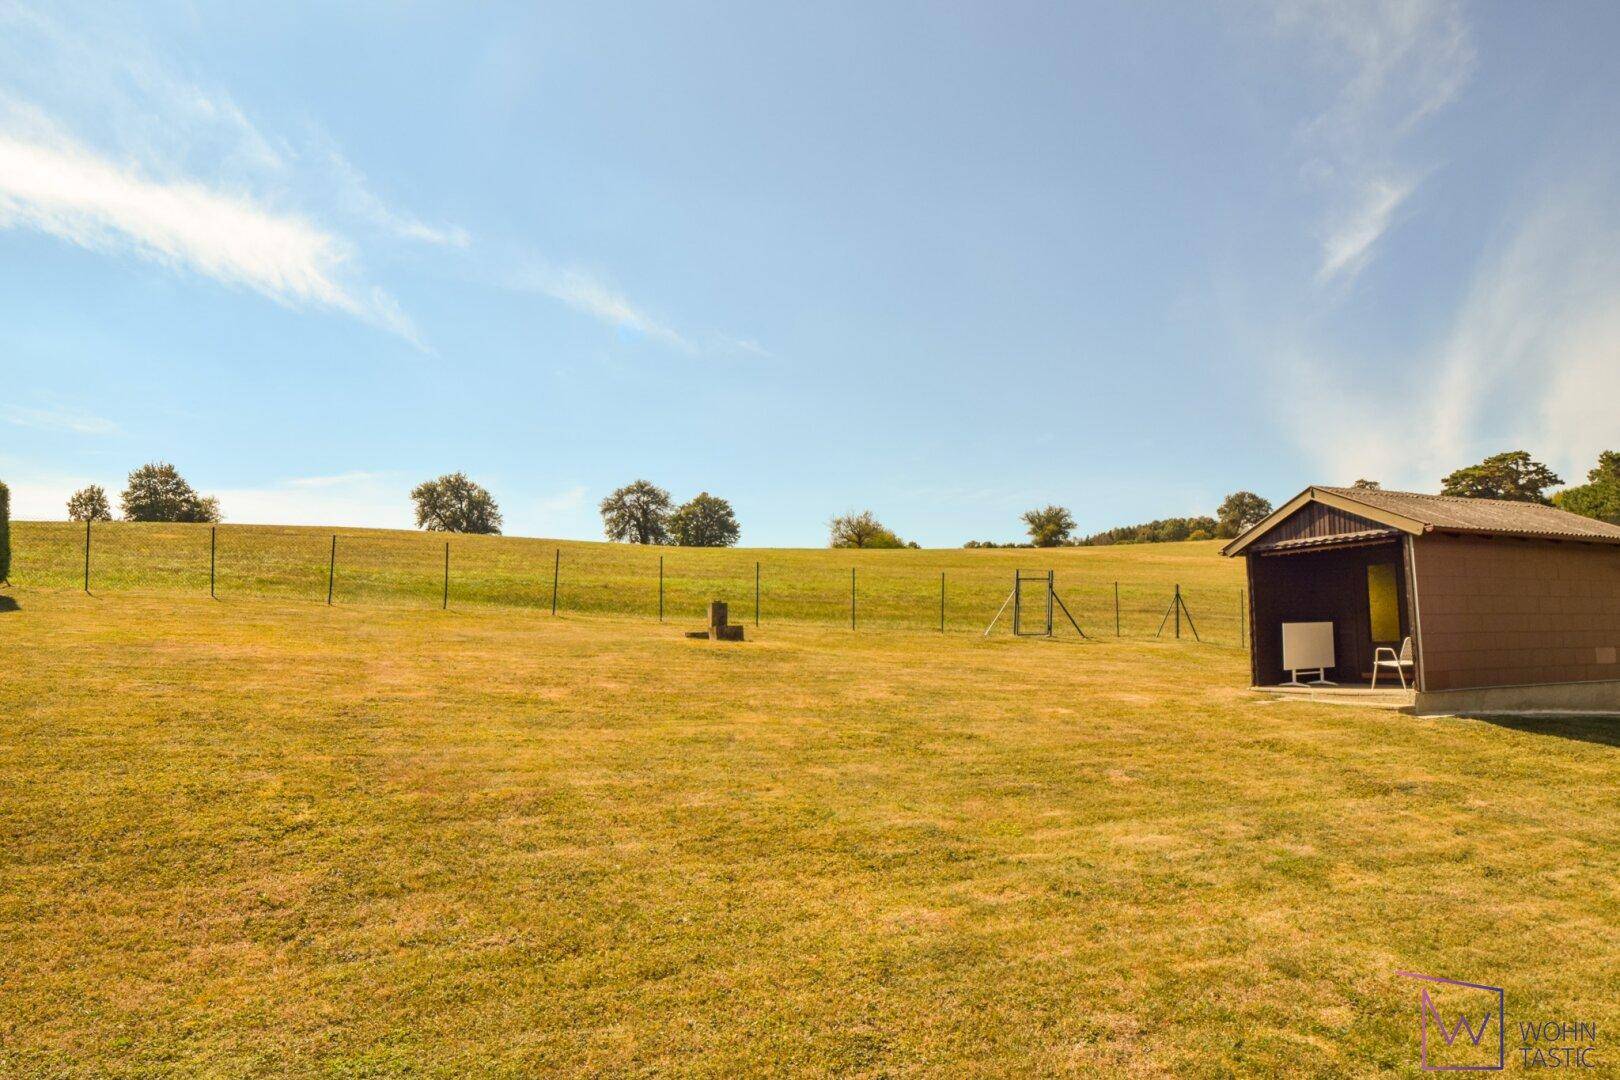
{"x":1415,"y":513}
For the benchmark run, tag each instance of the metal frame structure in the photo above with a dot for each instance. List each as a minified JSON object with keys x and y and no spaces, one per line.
{"x":1054,"y":604}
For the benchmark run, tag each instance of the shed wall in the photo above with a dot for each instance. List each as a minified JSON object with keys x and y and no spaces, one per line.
{"x":1505,"y":612}
{"x":1317,"y":521}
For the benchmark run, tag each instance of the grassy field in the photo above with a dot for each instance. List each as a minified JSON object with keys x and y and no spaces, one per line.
{"x":273,"y":838}
{"x":895,"y":589}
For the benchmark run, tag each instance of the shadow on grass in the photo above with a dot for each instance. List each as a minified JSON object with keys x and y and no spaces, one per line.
{"x":9,"y":604}
{"x":1604,"y":730}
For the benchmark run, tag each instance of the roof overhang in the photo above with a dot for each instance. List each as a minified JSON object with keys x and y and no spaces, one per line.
{"x":1254,"y":532}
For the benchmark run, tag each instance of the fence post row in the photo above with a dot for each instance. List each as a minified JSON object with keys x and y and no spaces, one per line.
{"x":1178,"y":608}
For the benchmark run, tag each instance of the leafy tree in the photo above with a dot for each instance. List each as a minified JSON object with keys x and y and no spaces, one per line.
{"x":862,"y":530}
{"x":89,"y":504}
{"x":1240,"y":510}
{"x":1513,"y":476}
{"x":1368,"y":485}
{"x":705,"y":521}
{"x":5,"y":533}
{"x":1600,"y":496}
{"x":638,"y":513}
{"x":157,"y":492}
{"x":455,"y":504}
{"x":1049,"y":526}
{"x":1163,"y":531}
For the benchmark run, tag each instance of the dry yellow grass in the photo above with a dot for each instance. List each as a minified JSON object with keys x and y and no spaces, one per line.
{"x":280,"y":839}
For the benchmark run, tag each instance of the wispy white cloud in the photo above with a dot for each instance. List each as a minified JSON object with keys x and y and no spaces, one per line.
{"x":53,"y":185}
{"x":102,"y":145}
{"x":591,"y":295}
{"x":1393,"y":64}
{"x":749,"y":347}
{"x":58,"y":420}
{"x":1529,"y":359}
{"x":1350,"y":240}
{"x":355,"y":193}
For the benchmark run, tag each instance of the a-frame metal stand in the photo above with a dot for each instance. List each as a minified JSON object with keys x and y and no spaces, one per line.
{"x":1023,"y":583}
{"x":1178,"y":608}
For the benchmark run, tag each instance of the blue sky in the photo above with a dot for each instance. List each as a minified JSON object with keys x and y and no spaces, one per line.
{"x":943,"y":261}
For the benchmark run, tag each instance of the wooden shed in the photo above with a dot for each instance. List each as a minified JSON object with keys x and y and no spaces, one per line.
{"x":1511,"y":607}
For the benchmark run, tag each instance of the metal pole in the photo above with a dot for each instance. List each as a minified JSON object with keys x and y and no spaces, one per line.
{"x":1051,"y":590}
{"x":87,"y":556}
{"x":446,"y":605}
{"x":213,"y":549}
{"x":942,"y":601}
{"x":756,"y":592}
{"x":1187,"y":611}
{"x":1116,"y":609}
{"x":556,"y":573}
{"x":852,"y":598}
{"x":331,"y":572}
{"x":660,"y":588}
{"x":1176,"y":603}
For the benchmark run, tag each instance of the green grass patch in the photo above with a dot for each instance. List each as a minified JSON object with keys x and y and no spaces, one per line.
{"x":893,"y":588}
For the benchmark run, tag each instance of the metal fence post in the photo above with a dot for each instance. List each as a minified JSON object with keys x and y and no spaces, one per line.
{"x":87,"y":556}
{"x":445,"y":606}
{"x":756,"y":592}
{"x":331,"y":572}
{"x":1116,"y":609}
{"x":942,"y":601}
{"x":660,"y":588}
{"x":556,"y":573}
{"x":852,"y":598}
{"x":1051,"y":591}
{"x":213,"y":551}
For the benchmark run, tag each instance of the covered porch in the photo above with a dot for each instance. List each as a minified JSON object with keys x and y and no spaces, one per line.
{"x":1358,"y":585}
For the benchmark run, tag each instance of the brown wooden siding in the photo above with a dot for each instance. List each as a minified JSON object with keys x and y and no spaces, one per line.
{"x":1316,"y":520}
{"x":1505,"y":612}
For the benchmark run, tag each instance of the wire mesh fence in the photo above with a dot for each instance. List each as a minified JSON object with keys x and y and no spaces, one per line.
{"x":1196,"y":600}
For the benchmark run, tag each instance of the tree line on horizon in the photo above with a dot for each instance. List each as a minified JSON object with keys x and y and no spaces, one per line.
{"x":1512,"y":476}
{"x":641,"y":512}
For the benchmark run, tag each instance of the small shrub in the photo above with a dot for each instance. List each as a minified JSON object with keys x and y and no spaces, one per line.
{"x":5,"y":533}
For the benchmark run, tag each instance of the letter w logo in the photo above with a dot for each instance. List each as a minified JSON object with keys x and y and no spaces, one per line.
{"x":1428,"y":1012}
{"x":1462,"y":1022}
